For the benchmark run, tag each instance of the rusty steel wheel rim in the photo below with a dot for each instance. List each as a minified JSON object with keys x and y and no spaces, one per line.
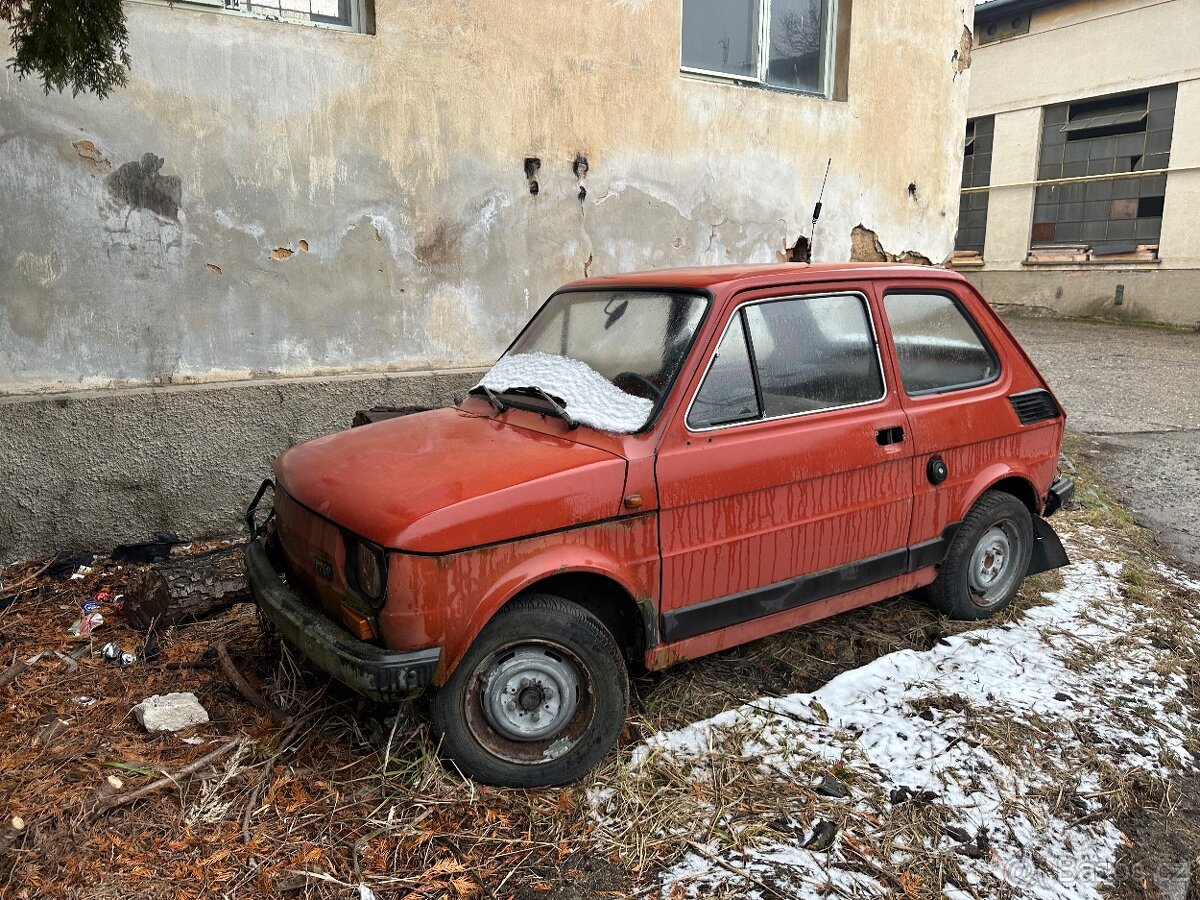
{"x":994,"y":563}
{"x":530,"y":702}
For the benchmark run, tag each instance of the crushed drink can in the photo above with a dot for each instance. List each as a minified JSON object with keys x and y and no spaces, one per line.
{"x":86,"y":625}
{"x":111,"y":651}
{"x":90,"y":606}
{"x":127,"y":659}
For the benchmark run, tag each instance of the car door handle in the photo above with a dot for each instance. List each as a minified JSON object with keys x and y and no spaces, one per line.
{"x":893,"y":435}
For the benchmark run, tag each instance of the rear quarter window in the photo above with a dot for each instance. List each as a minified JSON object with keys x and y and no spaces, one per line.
{"x":938,"y":346}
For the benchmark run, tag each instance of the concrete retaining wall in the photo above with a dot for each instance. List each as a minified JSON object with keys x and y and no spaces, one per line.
{"x":91,"y":470}
{"x":1147,"y":295}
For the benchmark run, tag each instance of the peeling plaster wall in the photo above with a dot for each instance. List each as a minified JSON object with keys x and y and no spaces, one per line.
{"x":274,"y":199}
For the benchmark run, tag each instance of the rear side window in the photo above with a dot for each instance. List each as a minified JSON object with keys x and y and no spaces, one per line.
{"x":788,"y":357}
{"x":938,"y":347}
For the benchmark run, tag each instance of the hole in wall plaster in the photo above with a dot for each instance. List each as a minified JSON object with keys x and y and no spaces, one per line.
{"x":962,"y":56}
{"x":304,"y":246}
{"x":282,"y":252}
{"x":90,"y":156}
{"x":912,"y":189}
{"x":212,"y":269}
{"x":533,"y":165}
{"x":800,"y":251}
{"x":865,"y":247}
{"x":580,"y":166}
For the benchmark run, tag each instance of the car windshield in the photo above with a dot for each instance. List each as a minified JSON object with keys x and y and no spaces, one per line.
{"x":605,"y":357}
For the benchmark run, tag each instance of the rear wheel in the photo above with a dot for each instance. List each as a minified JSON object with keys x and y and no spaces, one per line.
{"x":987,"y":560}
{"x":538,"y":700}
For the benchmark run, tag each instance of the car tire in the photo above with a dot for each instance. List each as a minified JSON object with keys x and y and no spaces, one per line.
{"x":538,"y":700}
{"x":987,"y":559}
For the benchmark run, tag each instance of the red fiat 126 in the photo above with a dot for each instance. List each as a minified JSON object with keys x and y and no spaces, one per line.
{"x":663,"y":465}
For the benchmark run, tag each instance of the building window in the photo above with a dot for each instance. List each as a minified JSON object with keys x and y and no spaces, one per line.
{"x":348,"y":14}
{"x":1105,"y":143}
{"x":976,"y":173}
{"x":776,"y":43}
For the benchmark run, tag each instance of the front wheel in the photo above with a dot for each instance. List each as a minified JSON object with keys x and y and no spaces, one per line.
{"x":539,"y":699}
{"x":987,"y":560}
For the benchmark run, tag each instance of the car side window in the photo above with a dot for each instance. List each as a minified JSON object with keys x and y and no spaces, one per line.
{"x":938,"y":347}
{"x":727,"y":394}
{"x":814,"y":353}
{"x":788,"y":357}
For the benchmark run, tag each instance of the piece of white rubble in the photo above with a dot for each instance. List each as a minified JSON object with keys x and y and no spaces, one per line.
{"x":170,"y":712}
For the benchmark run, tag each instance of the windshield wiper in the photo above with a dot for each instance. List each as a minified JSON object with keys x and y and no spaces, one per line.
{"x":558,"y":410}
{"x":490,"y":396}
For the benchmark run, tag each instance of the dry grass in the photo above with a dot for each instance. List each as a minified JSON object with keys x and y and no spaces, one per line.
{"x":351,"y":792}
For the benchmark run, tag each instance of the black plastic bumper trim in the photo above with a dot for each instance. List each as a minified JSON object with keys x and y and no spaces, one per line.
{"x":372,"y":671}
{"x":723,"y":612}
{"x":1060,"y":495}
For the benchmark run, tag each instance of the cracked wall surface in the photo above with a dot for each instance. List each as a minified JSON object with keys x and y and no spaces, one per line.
{"x":267,"y":199}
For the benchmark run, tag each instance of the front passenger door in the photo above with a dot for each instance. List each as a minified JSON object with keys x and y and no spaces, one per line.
{"x":791,"y":460}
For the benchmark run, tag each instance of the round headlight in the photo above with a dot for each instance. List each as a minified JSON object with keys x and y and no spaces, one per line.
{"x":368,"y":569}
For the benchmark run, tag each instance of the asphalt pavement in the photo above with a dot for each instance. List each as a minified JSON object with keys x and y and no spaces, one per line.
{"x":1135,"y":394}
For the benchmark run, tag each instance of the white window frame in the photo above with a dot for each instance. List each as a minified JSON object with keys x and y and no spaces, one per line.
{"x":829,"y":39}
{"x":358,"y":17}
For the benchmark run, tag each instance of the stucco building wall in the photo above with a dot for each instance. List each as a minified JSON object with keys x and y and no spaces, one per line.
{"x":271,"y":200}
{"x":1077,"y":51}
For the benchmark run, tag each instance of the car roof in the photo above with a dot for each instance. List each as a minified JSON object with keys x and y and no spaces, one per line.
{"x":716,"y":278}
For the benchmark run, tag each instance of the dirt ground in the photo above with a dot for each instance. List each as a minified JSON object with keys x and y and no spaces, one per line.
{"x":344,"y":792}
{"x":1135,"y":392}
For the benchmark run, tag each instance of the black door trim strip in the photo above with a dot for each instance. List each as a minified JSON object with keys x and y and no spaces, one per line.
{"x":723,"y":612}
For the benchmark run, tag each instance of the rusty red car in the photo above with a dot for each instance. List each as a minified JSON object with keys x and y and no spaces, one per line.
{"x":661,"y":466}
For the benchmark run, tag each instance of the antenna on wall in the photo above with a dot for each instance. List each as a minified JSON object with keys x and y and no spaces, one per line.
{"x":817,"y":213}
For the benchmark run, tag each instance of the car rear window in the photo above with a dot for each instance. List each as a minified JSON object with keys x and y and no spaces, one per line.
{"x":938,"y":347}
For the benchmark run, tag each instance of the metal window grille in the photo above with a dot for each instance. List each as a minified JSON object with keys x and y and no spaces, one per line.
{"x":1109,"y":136}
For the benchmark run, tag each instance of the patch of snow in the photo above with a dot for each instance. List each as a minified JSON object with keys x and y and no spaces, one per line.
{"x":1075,"y":678}
{"x":588,"y":397}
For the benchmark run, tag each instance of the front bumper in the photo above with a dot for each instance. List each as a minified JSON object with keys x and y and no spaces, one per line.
{"x":370,"y":670}
{"x":1060,"y":495}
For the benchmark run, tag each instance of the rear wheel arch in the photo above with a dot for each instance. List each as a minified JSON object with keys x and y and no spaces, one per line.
{"x":1020,"y":487}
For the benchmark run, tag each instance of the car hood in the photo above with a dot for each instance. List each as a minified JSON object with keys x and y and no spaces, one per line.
{"x":446,"y":480}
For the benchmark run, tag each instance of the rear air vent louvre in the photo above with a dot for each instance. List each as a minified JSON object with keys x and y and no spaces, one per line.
{"x":1034,"y":406}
